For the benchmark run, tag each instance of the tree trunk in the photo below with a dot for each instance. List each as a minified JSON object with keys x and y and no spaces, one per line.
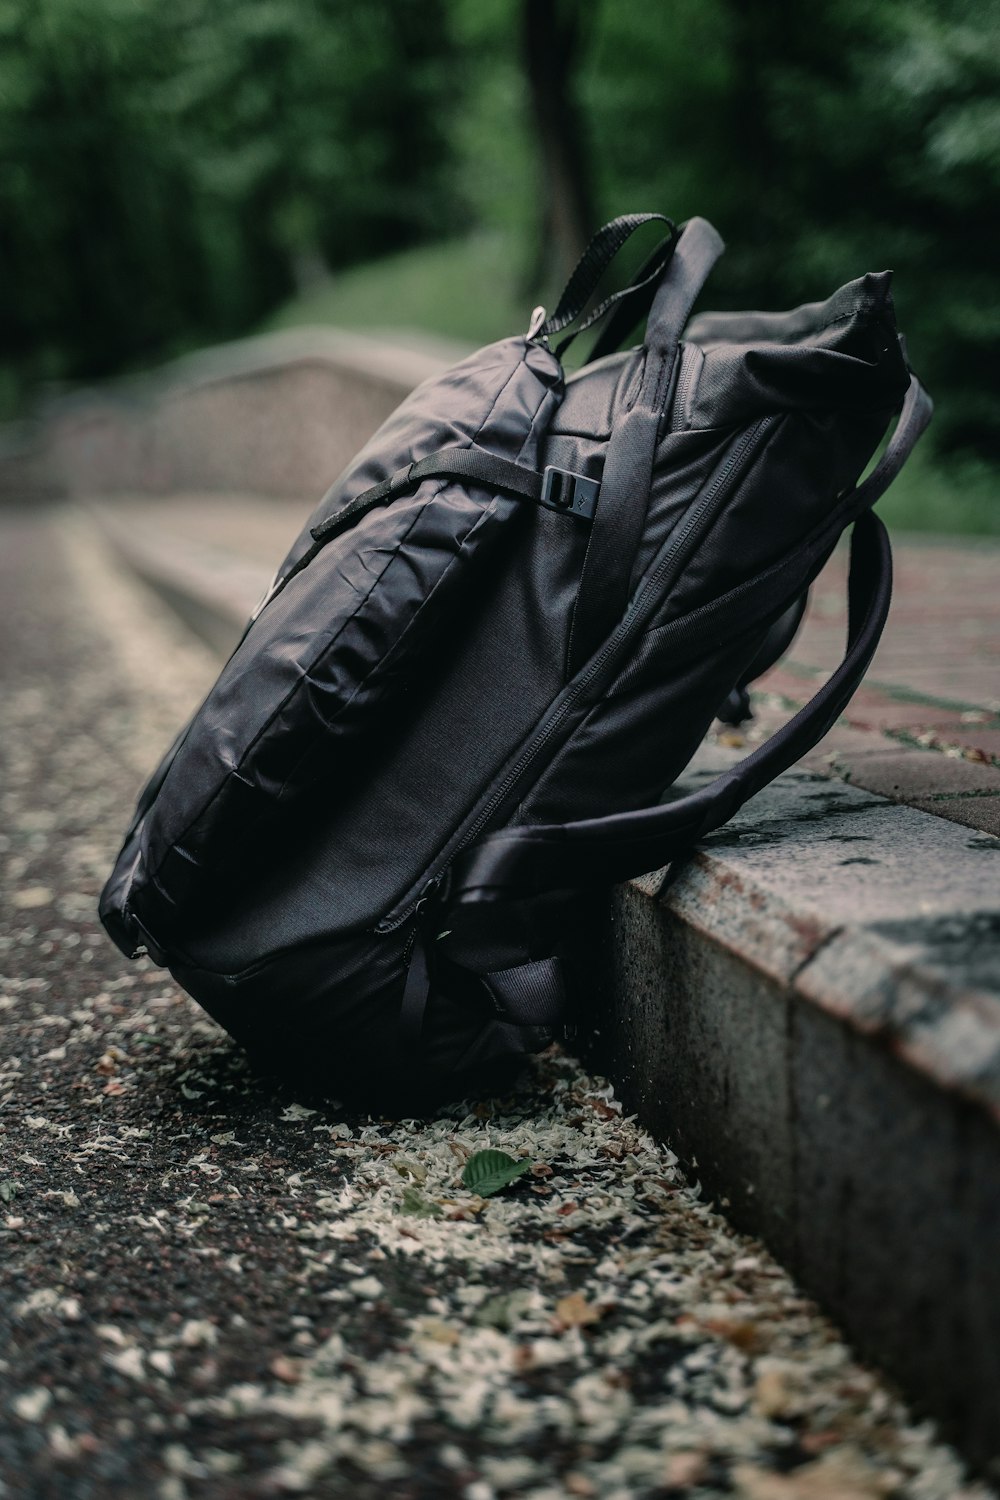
{"x":550,"y":45}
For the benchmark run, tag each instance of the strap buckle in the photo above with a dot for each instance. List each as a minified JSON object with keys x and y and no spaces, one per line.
{"x":564,"y":490}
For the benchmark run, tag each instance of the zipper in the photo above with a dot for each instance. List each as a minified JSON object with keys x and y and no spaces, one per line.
{"x":678,"y":549}
{"x":690,"y":365}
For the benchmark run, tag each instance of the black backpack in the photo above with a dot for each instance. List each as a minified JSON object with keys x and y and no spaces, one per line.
{"x":496,"y":643}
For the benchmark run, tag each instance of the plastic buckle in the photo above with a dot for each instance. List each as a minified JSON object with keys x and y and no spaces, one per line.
{"x":563,"y":490}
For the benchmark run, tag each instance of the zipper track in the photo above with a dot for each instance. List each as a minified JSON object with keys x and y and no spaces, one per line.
{"x":684,"y":539}
{"x":690,"y":363}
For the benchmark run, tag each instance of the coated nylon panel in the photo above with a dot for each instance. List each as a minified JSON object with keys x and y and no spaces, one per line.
{"x":324,"y":664}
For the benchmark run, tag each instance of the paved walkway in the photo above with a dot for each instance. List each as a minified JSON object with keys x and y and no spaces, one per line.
{"x":924,"y":728}
{"x":215,"y":1290}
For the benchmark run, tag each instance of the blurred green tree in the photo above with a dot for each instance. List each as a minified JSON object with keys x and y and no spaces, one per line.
{"x":169,"y":174}
{"x":823,"y":140}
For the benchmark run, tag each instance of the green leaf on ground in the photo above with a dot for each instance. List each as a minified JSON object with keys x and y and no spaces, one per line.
{"x":486,"y":1172}
{"x":8,"y":1190}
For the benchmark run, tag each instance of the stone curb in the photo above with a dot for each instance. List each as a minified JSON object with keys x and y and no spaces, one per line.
{"x":810,"y":1014}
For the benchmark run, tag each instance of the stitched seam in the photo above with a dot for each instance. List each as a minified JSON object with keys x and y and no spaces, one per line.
{"x":296,"y":687}
{"x":396,"y":647}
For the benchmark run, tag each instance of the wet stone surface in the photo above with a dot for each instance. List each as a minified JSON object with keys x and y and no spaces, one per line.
{"x":212,"y":1288}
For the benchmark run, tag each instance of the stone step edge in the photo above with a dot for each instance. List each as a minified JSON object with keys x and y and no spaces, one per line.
{"x":947,"y":1031}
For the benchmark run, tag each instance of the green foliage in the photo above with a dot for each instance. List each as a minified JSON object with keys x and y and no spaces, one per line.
{"x":172,"y":175}
{"x":168,"y":174}
{"x":461,"y":289}
{"x":488,"y":1172}
{"x":824,"y":140}
{"x":414,"y":1202}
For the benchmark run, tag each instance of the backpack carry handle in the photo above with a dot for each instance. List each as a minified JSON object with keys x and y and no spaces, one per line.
{"x":525,"y":860}
{"x":592,"y":265}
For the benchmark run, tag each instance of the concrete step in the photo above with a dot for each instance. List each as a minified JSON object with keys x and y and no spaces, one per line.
{"x":809,"y":1012}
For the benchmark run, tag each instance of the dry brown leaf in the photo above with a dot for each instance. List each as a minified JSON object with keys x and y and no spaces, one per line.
{"x":738,"y":1331}
{"x":841,"y":1475}
{"x":684,"y":1469}
{"x":287,"y":1370}
{"x":438,"y":1332}
{"x":575,"y":1311}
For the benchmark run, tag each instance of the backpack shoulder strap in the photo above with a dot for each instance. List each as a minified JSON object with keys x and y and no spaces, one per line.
{"x":605,"y":583}
{"x":520,"y":861}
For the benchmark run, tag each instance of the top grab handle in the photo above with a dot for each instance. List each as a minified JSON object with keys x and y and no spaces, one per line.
{"x":592,"y":265}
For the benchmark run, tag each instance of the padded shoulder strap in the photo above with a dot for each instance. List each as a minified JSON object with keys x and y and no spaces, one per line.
{"x":520,"y":861}
{"x":605,"y":583}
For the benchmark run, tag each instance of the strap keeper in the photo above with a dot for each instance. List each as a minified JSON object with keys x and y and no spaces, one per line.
{"x":564,"y":490}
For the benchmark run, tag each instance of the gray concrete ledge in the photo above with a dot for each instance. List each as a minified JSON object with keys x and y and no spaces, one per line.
{"x":810,"y":1014}
{"x":278,"y":415}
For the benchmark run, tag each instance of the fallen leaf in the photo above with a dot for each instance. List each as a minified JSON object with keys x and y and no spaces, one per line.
{"x":844,"y":1474}
{"x":486,"y":1172}
{"x":32,"y":896}
{"x":683,"y":1470}
{"x":575,"y":1311}
{"x":287,"y":1370}
{"x":436,"y":1331}
{"x":737,"y":1331}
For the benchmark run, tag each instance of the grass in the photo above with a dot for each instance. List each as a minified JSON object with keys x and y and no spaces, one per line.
{"x":958,"y":495}
{"x":469,"y":290}
{"x":463,"y":290}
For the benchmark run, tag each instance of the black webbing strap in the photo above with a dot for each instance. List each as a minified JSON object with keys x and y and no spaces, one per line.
{"x":592,"y":265}
{"x":520,"y":861}
{"x":528,"y":994}
{"x":416,"y":993}
{"x":632,"y":309}
{"x":620,"y":519}
{"x":475,"y":464}
{"x":573,"y":494}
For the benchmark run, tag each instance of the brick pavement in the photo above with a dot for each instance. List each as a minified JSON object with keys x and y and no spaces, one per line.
{"x":924,"y":728}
